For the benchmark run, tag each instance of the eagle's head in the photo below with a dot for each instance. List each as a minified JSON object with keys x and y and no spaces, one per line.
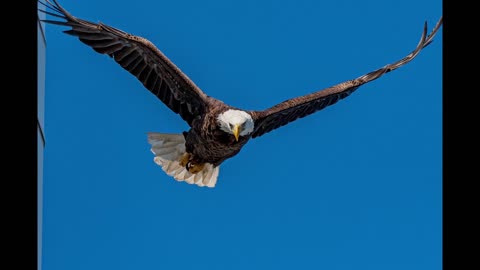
{"x":235,"y":122}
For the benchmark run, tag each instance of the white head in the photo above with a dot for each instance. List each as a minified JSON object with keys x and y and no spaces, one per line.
{"x":238,"y":123}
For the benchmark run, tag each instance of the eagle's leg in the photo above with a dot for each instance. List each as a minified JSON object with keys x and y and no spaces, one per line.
{"x":185,"y":159}
{"x":187,"y":162}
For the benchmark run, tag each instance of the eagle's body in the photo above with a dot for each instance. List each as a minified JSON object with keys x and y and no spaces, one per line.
{"x":207,"y":142}
{"x":217,"y":131}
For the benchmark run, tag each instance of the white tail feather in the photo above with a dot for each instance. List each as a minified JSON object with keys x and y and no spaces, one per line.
{"x":169,"y":149}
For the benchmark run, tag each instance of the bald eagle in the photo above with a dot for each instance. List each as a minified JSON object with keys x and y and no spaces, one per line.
{"x":217,"y":131}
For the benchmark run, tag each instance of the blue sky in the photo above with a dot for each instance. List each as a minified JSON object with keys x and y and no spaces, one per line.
{"x":357,"y":185}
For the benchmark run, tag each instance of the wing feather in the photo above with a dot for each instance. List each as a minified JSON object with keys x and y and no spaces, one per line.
{"x":138,"y":56}
{"x":295,"y":108}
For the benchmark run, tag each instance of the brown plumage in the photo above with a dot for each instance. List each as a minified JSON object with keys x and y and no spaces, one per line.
{"x":218,"y":131}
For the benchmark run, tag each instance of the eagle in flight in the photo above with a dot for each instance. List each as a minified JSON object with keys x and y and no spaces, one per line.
{"x":217,"y":131}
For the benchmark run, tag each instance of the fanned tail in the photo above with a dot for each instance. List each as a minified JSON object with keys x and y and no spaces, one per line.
{"x":169,"y":150}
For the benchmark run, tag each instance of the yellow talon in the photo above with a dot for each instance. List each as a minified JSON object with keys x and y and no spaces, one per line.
{"x":191,"y":167}
{"x":195,"y":168}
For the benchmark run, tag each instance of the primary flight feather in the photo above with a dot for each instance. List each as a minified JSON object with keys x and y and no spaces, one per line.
{"x":217,"y":131}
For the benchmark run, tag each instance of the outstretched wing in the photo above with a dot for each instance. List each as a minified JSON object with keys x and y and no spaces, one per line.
{"x":292,"y":109}
{"x":141,"y":58}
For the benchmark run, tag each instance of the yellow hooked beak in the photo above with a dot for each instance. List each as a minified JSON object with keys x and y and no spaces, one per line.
{"x":236,"y":132}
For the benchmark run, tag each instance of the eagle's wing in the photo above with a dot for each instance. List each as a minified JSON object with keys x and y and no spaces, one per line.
{"x":292,"y":109}
{"x":141,"y":58}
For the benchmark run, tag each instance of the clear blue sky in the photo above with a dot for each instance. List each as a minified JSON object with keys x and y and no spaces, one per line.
{"x":357,"y":185}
